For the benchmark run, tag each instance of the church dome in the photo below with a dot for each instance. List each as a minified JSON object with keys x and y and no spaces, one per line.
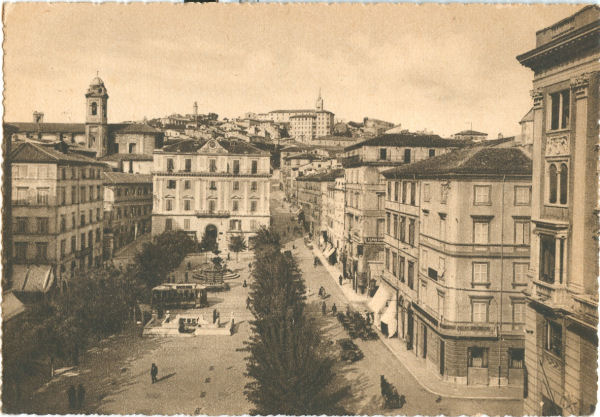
{"x":97,"y":81}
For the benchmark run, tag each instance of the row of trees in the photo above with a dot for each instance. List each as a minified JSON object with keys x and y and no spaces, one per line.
{"x":291,"y":370}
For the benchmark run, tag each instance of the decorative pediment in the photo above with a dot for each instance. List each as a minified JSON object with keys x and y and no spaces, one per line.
{"x":212,"y":146}
{"x":557,"y":145}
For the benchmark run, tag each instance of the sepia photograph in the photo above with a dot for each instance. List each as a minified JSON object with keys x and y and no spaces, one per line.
{"x":300,"y":209}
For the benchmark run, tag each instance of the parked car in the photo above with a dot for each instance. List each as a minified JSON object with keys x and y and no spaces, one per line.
{"x":350,"y":352}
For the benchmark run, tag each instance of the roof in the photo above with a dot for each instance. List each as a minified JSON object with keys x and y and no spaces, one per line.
{"x":193,"y":145}
{"x":308,"y":156}
{"x":408,"y":139}
{"x":123,"y":128}
{"x":528,"y":117}
{"x":11,"y":306}
{"x":336,"y":138}
{"x":471,"y":133}
{"x":475,"y":160}
{"x":293,"y":111}
{"x":50,"y":127}
{"x":127,"y":157}
{"x":111,"y":177}
{"x":32,"y":278}
{"x":34,"y":153}
{"x":323,"y":176}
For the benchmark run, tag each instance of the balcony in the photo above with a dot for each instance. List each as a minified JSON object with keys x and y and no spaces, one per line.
{"x":458,"y":249}
{"x":213,"y":213}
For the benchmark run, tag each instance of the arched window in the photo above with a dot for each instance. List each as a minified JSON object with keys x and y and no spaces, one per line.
{"x":564,"y":180}
{"x":94,"y":108}
{"x":553,"y":183}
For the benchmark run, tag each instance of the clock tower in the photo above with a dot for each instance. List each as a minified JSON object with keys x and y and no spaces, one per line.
{"x":96,"y":126}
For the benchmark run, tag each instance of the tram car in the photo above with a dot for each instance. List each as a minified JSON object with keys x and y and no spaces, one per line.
{"x":179,"y":296}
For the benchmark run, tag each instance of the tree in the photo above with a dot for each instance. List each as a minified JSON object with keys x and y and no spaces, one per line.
{"x":291,"y":371}
{"x":237,"y":244}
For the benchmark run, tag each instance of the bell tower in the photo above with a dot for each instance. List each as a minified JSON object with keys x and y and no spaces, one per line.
{"x":319,"y":102}
{"x":96,"y":126}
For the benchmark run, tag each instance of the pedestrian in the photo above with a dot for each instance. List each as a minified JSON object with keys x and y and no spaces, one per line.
{"x":324,"y":308}
{"x":249,"y":265}
{"x":340,"y":279}
{"x":154,"y":372}
{"x":248,"y":302}
{"x":80,"y":396}
{"x":71,"y":397}
{"x":214,"y":315}
{"x":245,"y":284}
{"x":334,"y":309}
{"x":228,"y":257}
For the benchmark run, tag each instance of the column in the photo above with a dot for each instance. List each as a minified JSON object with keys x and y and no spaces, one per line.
{"x":558,"y":279}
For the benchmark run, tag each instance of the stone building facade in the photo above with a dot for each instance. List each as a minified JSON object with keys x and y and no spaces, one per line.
{"x":217,"y":187}
{"x":562,"y":319}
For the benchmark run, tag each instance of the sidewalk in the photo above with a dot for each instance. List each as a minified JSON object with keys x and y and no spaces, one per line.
{"x":428,"y":380}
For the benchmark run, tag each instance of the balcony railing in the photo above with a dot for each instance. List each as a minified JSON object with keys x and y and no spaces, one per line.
{"x":470,"y":248}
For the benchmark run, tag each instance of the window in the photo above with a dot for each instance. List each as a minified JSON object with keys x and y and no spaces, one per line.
{"x":559,"y":110}
{"x":422,"y":292}
{"x":98,"y":215}
{"x":553,"y":181}
{"x":553,"y":343}
{"x":423,"y":262}
{"x":41,"y":251}
{"x":63,"y":247}
{"x":522,"y":195}
{"x":518,"y":312}
{"x":253,"y":205}
{"x":187,"y":184}
{"x":132,"y":148}
{"x":253,"y":186}
{"x":388,"y":222}
{"x":21,"y":226}
{"x":441,"y":303}
{"x":42,"y":196}
{"x":443,"y":227}
{"x":413,"y":193}
{"x":516,"y":360}
{"x":73,"y":243}
{"x":411,"y":232}
{"x":407,"y":156}
{"x":558,"y":183}
{"x":212,"y":185}
{"x":91,"y":191}
{"x":431,"y":153}
{"x":73,"y":224}
{"x":90,"y":237}
{"x":481,"y":232}
{"x":401,"y":268}
{"x":236,"y":166}
{"x":212,"y":165}
{"x":477,"y":357}
{"x":63,"y":196}
{"x":547,"y":258}
{"x":404,"y":191}
{"x":235,"y":205}
{"x":186,"y":224}
{"x":211,"y":206}
{"x":520,"y":273}
{"x":410,"y":274}
{"x":482,"y":195}
{"x":187,"y":204}
{"x":98,"y":235}
{"x":521,"y":232}
{"x":42,"y":225}
{"x":480,"y":273}
{"x":479,"y":311}
{"x":188,"y":165}
{"x":171,"y":184}
{"x":402,"y":229}
{"x":168,"y":224}
{"x":395,"y":226}
{"x":382,"y":154}
{"x":389,"y":190}
{"x":169,"y":204}
{"x":82,"y":220}
{"x":94,"y":109}
{"x":396,"y":189}
{"x":387,"y":259}
{"x":564,"y":178}
{"x":22,"y":195}
{"x":254,"y":166}
{"x":170,"y":164}
{"x":21,"y":251}
{"x":426,"y":192}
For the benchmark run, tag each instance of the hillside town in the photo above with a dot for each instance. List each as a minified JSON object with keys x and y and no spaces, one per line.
{"x":446,"y":274}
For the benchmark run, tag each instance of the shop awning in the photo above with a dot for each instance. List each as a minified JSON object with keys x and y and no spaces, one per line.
{"x":32,"y":278}
{"x":377,"y":303}
{"x":11,"y":306}
{"x":390,"y":317}
{"x":329,"y":251}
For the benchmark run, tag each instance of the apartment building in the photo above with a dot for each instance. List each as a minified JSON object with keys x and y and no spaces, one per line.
{"x":334,"y":216}
{"x":127,"y":209}
{"x":364,"y":210}
{"x":456,"y":256}
{"x":562,"y":319}
{"x":57,"y":200}
{"x":216,"y":187}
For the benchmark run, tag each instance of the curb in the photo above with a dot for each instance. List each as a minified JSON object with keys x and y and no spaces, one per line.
{"x":393,"y":352}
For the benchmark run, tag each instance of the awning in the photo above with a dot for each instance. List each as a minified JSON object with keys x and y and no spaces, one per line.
{"x":328,"y":251}
{"x":390,"y":317}
{"x":377,"y":303}
{"x":32,"y":278}
{"x":11,"y":306}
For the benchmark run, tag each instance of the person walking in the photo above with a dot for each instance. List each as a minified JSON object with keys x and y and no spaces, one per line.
{"x":340,"y":279}
{"x":248,"y":302}
{"x":80,"y":396}
{"x":324,"y":308}
{"x":334,"y":309}
{"x":71,"y":397}
{"x":154,"y":372}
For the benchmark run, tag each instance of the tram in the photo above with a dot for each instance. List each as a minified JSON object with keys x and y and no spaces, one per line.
{"x":174,"y":296}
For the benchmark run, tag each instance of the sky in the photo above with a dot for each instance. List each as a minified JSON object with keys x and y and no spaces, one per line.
{"x":441,"y":68}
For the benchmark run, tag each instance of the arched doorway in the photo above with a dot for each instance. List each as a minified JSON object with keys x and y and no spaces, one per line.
{"x":209,"y":240}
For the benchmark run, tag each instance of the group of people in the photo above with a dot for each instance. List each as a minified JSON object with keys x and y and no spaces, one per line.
{"x":76,"y":397}
{"x":324,"y":309}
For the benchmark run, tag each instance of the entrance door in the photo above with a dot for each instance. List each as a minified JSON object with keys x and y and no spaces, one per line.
{"x":410,"y":333}
{"x":442,"y":356}
{"x":424,"y":341}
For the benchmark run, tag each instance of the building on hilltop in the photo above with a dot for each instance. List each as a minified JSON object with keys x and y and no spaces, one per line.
{"x":218,"y":188}
{"x":561,"y":346}
{"x":471,"y":135}
{"x":456,"y":252}
{"x":57,"y":213}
